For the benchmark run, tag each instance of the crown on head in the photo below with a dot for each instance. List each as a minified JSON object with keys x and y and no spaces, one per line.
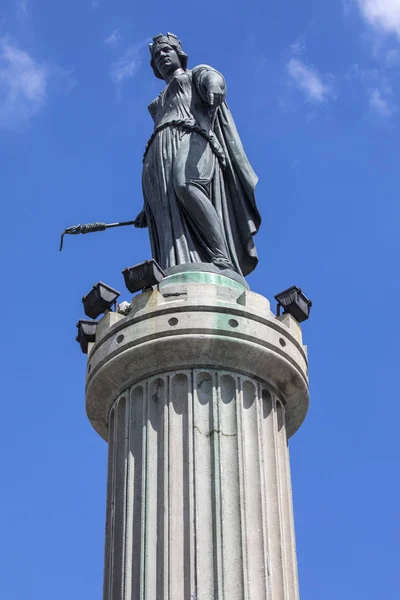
{"x":169,"y":38}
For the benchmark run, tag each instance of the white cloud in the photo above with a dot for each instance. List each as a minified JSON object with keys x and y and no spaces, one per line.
{"x":113,"y":39}
{"x":317,"y":88}
{"x":23,"y":85}
{"x":380,"y":103}
{"x":95,"y":4}
{"x":126,"y":65}
{"x":377,"y":88}
{"x":383,"y":14}
{"x":367,"y":76}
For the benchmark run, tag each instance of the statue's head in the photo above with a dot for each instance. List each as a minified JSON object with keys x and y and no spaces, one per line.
{"x":167,"y":55}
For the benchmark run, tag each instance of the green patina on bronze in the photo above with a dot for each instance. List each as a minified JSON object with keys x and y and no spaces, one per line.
{"x":202,"y":277}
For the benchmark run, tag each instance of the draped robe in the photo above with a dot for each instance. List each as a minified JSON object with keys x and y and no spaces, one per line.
{"x":201,"y":144}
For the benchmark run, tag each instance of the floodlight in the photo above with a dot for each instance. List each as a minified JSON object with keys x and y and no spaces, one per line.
{"x":143,"y":275}
{"x":100,"y":298}
{"x":86,"y":333}
{"x":294,"y":302}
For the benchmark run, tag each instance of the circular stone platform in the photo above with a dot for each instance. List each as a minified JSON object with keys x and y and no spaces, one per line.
{"x":197,"y":320}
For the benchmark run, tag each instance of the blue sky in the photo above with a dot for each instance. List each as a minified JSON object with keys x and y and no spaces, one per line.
{"x":314,"y":88}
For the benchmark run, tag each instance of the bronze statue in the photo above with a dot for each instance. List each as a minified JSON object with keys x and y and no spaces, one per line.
{"x":198,"y":185}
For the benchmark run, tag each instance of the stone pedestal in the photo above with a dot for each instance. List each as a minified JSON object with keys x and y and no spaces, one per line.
{"x":197,"y":391}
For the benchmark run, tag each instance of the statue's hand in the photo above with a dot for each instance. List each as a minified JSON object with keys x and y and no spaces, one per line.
{"x":215,"y":96}
{"x":141,"y":220}
{"x":215,"y":89}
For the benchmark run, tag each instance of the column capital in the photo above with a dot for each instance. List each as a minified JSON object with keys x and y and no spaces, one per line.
{"x":197,"y":325}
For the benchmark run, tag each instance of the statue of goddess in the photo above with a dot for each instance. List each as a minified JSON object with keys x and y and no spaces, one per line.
{"x":198,"y":185}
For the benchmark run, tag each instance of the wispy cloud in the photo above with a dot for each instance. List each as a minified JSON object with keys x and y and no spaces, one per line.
{"x":383,"y":14}
{"x":298,"y":47}
{"x":114,"y":39}
{"x":317,"y":88}
{"x":380,"y":102}
{"x":95,"y":4}
{"x":366,"y":76}
{"x":23,"y":85}
{"x":127,"y":64}
{"x":392,"y":58}
{"x":377,"y":88}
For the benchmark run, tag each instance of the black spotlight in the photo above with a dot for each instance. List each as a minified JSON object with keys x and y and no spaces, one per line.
{"x":99,"y":299}
{"x":143,"y":275}
{"x":294,"y":302}
{"x":86,"y":333}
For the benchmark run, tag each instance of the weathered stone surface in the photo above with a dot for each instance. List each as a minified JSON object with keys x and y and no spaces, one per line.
{"x":199,"y":497}
{"x":197,"y":391}
{"x":182,"y":325}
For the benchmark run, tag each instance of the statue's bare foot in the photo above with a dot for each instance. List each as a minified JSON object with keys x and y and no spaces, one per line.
{"x":223,"y":263}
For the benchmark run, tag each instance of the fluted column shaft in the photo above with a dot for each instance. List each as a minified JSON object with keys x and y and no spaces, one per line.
{"x":199,"y":494}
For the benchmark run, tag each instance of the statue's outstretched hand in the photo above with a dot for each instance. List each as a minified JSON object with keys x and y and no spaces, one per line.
{"x":141,"y":220}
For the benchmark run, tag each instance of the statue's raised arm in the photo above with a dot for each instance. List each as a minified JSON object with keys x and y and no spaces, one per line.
{"x":198,"y":185}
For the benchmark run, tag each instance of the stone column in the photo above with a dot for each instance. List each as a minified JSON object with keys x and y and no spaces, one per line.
{"x":197,"y":391}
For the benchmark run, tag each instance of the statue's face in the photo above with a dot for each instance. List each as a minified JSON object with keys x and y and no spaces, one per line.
{"x":166,"y":60}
